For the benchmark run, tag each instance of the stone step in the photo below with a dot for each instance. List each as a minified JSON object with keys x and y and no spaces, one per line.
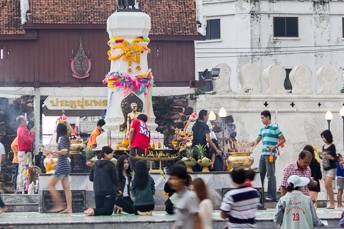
{"x":159,"y":220}
{"x":21,"y":202}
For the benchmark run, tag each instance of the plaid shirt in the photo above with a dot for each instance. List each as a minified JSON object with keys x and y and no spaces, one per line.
{"x":269,"y":135}
{"x":293,"y":169}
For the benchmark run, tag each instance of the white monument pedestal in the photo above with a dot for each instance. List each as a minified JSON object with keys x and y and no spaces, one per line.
{"x":127,"y":25}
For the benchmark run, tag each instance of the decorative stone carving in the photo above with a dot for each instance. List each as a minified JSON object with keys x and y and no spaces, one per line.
{"x":81,"y":64}
{"x":249,"y":76}
{"x":326,"y":80}
{"x":301,"y":80}
{"x":273,"y":77}
{"x":222,"y":83}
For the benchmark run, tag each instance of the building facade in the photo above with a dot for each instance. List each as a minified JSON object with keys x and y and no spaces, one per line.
{"x":59,"y":48}
{"x":288,"y":33}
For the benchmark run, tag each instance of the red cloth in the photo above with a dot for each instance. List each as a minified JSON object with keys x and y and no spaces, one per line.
{"x":293,"y":169}
{"x":248,"y":184}
{"x":141,"y":136}
{"x":25,"y":139}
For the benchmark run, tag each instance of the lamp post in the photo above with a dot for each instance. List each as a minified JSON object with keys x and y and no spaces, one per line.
{"x":222,"y":115}
{"x":341,"y":113}
{"x":329,"y":117}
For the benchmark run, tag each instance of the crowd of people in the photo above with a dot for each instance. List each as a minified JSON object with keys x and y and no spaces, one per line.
{"x":128,"y":187}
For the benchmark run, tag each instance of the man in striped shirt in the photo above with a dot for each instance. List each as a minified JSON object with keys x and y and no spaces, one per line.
{"x":272,"y":138}
{"x":239,"y":205}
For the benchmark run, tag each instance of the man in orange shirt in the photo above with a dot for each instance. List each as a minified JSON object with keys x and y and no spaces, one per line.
{"x":14,"y":147}
{"x":92,"y":141}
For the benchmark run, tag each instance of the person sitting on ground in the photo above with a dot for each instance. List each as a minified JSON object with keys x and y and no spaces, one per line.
{"x":296,"y":210}
{"x":315,"y":174}
{"x":143,"y":189}
{"x":104,"y":178}
{"x":187,"y":206}
{"x":205,"y":206}
{"x":92,"y":141}
{"x":124,"y":201}
{"x":239,"y":205}
{"x":300,"y":168}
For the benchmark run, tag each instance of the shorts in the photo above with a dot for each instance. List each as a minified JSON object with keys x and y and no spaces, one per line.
{"x":340,"y":183}
{"x":330,"y":173}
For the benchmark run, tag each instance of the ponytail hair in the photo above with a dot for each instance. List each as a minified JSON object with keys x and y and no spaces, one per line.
{"x":291,"y":187}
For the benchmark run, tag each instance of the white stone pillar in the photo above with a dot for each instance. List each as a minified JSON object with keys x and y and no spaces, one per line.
{"x":37,"y":119}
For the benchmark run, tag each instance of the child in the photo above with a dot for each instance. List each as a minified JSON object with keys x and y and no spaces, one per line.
{"x":143,"y":189}
{"x":239,"y":205}
{"x":295,"y":210}
{"x":205,"y":207}
{"x":340,"y":180}
{"x":124,"y":183}
{"x":103,"y":176}
{"x":187,"y":206}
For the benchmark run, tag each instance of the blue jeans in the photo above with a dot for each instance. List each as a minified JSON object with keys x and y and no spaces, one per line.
{"x":14,"y":179}
{"x":267,"y":168}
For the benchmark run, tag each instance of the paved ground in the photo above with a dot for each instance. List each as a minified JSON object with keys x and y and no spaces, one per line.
{"x":33,"y":218}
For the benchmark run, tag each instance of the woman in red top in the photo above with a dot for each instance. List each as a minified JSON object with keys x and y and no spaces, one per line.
{"x":139,"y":136}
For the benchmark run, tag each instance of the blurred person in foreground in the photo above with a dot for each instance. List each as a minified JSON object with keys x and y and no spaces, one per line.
{"x":240,"y":204}
{"x":187,"y":206}
{"x":205,"y":206}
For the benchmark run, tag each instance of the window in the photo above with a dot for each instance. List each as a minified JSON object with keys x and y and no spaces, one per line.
{"x":287,"y":83}
{"x":213,"y":29}
{"x":286,"y":26}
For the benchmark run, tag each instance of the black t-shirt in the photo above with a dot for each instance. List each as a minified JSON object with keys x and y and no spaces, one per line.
{"x":200,"y":129}
{"x":330,"y":164}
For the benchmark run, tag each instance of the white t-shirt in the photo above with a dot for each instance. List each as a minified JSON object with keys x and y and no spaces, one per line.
{"x":206,"y":213}
{"x":2,"y":152}
{"x":125,"y":191}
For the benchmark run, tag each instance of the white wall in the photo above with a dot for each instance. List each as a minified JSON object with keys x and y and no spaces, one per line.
{"x":318,"y":26}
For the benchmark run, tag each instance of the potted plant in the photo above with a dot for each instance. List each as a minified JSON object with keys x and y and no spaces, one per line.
{"x":189,"y":160}
{"x":202,"y":159}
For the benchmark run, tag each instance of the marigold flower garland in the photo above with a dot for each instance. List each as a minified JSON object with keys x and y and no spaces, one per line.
{"x":121,"y":81}
{"x":130,"y":50}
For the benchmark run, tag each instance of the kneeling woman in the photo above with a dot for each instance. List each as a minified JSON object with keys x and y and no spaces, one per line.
{"x":124,"y":183}
{"x":143,"y":189}
{"x":103,"y":176}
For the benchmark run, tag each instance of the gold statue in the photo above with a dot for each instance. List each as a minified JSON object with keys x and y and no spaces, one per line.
{"x":132,"y":115}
